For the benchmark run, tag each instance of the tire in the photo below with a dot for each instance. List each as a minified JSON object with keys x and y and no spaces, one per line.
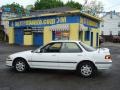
{"x":86,"y":69}
{"x":20,"y":65}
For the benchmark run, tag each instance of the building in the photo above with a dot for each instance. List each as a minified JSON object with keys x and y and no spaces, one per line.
{"x":5,"y":23}
{"x":5,"y":14}
{"x":110,"y":24}
{"x":1,"y":28}
{"x":44,"y":26}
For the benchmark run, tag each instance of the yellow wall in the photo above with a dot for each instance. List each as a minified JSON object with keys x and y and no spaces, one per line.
{"x":47,"y":35}
{"x":28,"y":39}
{"x":95,"y":31}
{"x":74,"y":31}
{"x":11,"y":35}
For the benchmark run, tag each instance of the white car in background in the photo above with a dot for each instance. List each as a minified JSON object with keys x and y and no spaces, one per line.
{"x":66,"y":55}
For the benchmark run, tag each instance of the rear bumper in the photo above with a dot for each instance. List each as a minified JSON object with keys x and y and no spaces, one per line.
{"x":103,"y":65}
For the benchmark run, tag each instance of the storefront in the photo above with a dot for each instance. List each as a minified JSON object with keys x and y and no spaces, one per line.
{"x":43,"y":29}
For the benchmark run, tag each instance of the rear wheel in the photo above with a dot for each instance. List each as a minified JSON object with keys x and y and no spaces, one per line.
{"x":86,"y":69}
{"x":20,"y":66}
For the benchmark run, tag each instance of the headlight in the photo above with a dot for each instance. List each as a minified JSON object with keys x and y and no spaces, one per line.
{"x":8,"y":58}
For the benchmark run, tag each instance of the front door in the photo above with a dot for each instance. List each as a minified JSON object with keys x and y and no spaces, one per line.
{"x":47,"y":57}
{"x":70,"y":55}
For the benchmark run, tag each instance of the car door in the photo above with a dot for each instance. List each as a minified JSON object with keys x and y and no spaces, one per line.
{"x":47,"y":57}
{"x":70,"y":55}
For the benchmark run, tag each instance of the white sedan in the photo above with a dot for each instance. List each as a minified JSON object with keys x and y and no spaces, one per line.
{"x":66,"y":55}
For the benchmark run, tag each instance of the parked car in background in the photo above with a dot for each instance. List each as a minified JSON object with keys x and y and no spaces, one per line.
{"x":116,"y":39}
{"x":66,"y":55}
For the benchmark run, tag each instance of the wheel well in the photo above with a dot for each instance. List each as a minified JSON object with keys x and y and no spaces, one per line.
{"x":85,"y":61}
{"x":18,"y":59}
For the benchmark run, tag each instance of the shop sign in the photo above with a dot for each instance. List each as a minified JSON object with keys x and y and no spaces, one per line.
{"x":44,"y":21}
{"x":40,"y":22}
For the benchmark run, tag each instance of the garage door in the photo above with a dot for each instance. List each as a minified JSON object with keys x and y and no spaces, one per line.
{"x":19,"y":36}
{"x":38,"y":39}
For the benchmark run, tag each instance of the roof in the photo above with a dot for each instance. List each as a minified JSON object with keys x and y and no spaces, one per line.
{"x":52,"y":10}
{"x":57,"y":12}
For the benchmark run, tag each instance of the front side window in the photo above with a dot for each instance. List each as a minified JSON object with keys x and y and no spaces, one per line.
{"x":110,"y":32}
{"x":52,"y":47}
{"x":70,"y":48}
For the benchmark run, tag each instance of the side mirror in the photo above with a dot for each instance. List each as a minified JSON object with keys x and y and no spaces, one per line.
{"x":37,"y":51}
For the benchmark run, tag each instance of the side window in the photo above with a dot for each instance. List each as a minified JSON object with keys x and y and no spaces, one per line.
{"x":53,"y":47}
{"x":70,"y":48}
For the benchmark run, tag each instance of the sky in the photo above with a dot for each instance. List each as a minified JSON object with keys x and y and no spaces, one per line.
{"x":108,"y":4}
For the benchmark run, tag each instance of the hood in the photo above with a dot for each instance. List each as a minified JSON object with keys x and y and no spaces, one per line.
{"x":23,"y":53}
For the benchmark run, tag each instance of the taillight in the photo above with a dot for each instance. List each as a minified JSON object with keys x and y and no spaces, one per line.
{"x":108,"y":57}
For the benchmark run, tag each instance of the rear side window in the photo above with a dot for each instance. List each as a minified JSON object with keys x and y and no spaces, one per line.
{"x":70,"y":48}
{"x":87,"y":47}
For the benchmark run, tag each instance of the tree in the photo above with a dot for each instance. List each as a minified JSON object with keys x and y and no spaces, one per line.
{"x":46,"y":4}
{"x":73,"y":4}
{"x":93,"y":7}
{"x":15,"y":8}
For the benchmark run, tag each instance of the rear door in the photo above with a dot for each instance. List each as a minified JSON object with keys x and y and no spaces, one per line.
{"x":70,"y":55}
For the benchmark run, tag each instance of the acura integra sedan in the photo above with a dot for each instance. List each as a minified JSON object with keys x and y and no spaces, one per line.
{"x":65,"y":55}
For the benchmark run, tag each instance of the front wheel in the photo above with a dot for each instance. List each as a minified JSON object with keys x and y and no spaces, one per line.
{"x":86,"y":69}
{"x":20,"y":66}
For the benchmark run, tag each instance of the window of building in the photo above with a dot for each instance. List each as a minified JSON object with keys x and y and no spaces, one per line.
{"x":61,"y":35}
{"x":102,"y":33}
{"x":87,"y":35}
{"x":118,"y":33}
{"x":110,"y":32}
{"x":119,"y":24}
{"x":102,"y":25}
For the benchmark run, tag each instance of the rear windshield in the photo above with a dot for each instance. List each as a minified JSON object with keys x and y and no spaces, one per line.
{"x":87,"y":47}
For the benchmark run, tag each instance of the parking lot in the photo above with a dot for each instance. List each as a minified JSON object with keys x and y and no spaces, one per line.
{"x":39,"y":79}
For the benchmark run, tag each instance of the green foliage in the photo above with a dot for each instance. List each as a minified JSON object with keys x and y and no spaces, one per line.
{"x":73,"y":4}
{"x":15,"y":8}
{"x":47,"y":4}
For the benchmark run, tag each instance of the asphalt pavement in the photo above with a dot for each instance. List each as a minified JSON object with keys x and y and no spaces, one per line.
{"x":40,"y":79}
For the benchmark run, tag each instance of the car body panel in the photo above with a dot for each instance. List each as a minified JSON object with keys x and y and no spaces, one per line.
{"x":67,"y":61}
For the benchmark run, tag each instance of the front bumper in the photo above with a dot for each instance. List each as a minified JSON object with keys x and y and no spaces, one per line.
{"x":9,"y":62}
{"x":103,"y":65}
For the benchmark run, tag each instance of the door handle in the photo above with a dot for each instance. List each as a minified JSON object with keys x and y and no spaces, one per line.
{"x":53,"y":55}
{"x":79,"y":55}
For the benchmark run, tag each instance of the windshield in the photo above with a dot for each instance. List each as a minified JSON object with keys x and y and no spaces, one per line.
{"x":87,"y":47}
